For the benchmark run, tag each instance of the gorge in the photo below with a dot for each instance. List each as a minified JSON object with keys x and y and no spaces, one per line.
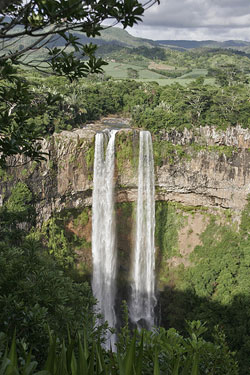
{"x":201,"y":215}
{"x":197,"y":174}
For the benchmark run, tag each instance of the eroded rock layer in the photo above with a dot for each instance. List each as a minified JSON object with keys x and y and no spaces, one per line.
{"x":198,"y":173}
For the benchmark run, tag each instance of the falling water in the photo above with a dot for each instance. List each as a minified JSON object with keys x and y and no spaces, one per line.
{"x":103,"y":228}
{"x":143,"y":298}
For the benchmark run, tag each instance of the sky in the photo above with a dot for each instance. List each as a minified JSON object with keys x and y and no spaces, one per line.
{"x":196,"y":20}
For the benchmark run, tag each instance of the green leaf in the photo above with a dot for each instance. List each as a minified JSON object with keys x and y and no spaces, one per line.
{"x":62,"y":362}
{"x":82,"y":365}
{"x":176,"y":365}
{"x":195,"y":370}
{"x":50,"y":362}
{"x":85,"y":342}
{"x":5,"y":363}
{"x":73,"y":364}
{"x":156,"y":363}
{"x":91,"y":361}
{"x":29,"y":366}
{"x":139,"y":359}
{"x":12,"y":368}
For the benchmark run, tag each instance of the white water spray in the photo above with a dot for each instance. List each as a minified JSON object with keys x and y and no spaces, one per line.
{"x":143,"y":298}
{"x":103,"y":229}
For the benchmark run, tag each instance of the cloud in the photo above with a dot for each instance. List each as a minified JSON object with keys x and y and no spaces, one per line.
{"x":204,"y":19}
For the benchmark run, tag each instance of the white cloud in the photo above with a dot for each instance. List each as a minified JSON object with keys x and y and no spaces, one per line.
{"x":196,"y":19}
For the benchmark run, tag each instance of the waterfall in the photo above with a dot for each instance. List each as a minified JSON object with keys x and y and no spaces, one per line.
{"x":143,"y":300}
{"x":103,"y":228}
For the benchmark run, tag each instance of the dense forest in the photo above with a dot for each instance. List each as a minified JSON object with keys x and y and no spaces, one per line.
{"x":154,"y":107}
{"x":48,"y":321}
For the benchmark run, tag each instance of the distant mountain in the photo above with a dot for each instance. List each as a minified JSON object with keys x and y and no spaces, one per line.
{"x":113,"y":40}
{"x":122,"y":37}
{"x":114,"y":36}
{"x":189,"y":44}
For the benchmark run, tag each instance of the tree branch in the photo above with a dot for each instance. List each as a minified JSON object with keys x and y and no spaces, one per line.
{"x":19,"y":53}
{"x":5,"y":3}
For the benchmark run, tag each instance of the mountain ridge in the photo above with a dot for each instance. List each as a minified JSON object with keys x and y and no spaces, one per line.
{"x":189,"y":44}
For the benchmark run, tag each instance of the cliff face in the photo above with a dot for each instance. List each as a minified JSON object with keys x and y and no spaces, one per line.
{"x":204,"y":167}
{"x":213,"y":172}
{"x":201,"y":176}
{"x":202,"y":181}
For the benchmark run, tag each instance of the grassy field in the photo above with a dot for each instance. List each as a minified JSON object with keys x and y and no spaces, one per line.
{"x":182,"y":82}
{"x":195,"y":74}
{"x":120,"y":71}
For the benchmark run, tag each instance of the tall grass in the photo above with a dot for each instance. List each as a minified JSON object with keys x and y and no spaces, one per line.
{"x":138,"y":353}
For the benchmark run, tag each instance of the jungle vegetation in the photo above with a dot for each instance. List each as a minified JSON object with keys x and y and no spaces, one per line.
{"x":48,"y":322}
{"x":60,"y":105}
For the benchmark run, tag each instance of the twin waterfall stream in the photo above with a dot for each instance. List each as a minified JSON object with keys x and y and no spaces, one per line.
{"x":143,"y":299}
{"x":104,"y":252}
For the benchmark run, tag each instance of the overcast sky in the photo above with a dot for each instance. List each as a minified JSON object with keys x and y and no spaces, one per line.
{"x":196,"y":20}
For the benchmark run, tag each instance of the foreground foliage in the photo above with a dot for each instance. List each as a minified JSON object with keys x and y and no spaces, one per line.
{"x":157,"y":352}
{"x":34,"y":290}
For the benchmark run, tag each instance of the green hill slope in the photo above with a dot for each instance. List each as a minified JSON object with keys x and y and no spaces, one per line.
{"x":189,"y":44}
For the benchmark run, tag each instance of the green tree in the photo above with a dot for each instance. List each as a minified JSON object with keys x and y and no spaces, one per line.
{"x":132,"y":73}
{"x":229,"y":75}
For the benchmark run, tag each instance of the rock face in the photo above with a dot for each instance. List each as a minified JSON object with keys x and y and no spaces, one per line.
{"x":215,"y":171}
{"x":199,"y":175}
{"x":204,"y":167}
{"x":209,"y":179}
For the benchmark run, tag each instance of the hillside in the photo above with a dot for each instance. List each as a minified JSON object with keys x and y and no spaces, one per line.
{"x":112,"y":36}
{"x":188,"y":44}
{"x":122,"y":37}
{"x":119,"y":37}
{"x":163,"y":61}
